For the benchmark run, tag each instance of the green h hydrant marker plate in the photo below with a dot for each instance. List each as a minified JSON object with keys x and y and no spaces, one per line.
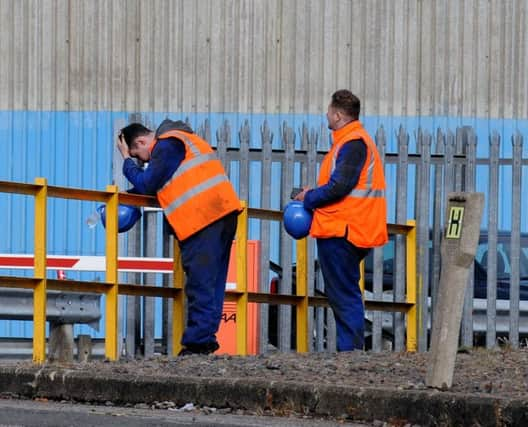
{"x":454,"y":228}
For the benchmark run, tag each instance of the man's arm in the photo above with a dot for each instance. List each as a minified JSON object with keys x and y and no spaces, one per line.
{"x":349,"y":163}
{"x":165,"y":159}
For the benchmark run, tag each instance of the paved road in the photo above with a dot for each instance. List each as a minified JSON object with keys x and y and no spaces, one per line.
{"x":29,"y":413}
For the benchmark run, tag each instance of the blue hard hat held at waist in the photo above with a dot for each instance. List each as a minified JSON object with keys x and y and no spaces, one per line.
{"x":127,"y":216}
{"x":297,"y":219}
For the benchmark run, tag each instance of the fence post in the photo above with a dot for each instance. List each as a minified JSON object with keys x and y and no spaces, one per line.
{"x":308,"y":177}
{"x":401,"y":217}
{"x":245,"y":137}
{"x":150,"y":223}
{"x":241,"y":266}
{"x":493,"y":202}
{"x":423,"y":195}
{"x":301,"y":290}
{"x":438,"y":195}
{"x":265,"y":230}
{"x":414,"y":321}
{"x":223,"y":140}
{"x":39,"y":293}
{"x":515,"y":243}
{"x":287,"y":168}
{"x":112,"y":293}
{"x":167,"y":304}
{"x":469,"y":146}
{"x":178,"y":303}
{"x":133,"y":303}
{"x":377,"y":263}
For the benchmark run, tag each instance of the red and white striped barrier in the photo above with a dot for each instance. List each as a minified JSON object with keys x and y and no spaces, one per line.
{"x":93,"y":263}
{"x":88,"y":263}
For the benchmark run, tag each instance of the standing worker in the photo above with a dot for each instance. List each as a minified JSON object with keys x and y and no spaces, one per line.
{"x":349,"y":214}
{"x":201,"y":207}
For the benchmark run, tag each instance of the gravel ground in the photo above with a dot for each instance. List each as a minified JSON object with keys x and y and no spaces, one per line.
{"x":499,"y":372}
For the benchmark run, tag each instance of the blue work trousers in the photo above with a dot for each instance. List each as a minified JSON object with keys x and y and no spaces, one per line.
{"x":339,"y":260}
{"x":205,"y":259}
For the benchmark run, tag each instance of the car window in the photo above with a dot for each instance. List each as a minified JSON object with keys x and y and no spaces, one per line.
{"x":481,"y":255}
{"x":503,"y":258}
{"x":481,"y":263}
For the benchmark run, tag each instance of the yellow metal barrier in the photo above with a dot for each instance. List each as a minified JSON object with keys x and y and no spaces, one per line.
{"x":112,"y":293}
{"x":178,"y":302}
{"x":302,"y":301}
{"x":413,"y":322}
{"x":242,"y":289}
{"x":112,"y":289}
{"x":39,"y":293}
{"x":302,"y":292}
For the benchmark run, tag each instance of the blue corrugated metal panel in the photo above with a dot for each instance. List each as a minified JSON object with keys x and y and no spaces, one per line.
{"x":76,"y":149}
{"x":68,"y":149}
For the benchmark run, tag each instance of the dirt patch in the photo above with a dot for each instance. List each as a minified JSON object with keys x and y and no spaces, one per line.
{"x":499,"y":373}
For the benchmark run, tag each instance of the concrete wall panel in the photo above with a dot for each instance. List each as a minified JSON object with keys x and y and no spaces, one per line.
{"x":447,"y":58}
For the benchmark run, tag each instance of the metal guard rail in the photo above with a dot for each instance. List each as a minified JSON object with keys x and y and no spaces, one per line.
{"x":41,"y":191}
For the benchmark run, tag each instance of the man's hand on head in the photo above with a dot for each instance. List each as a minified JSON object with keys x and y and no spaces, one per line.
{"x":123,"y":147}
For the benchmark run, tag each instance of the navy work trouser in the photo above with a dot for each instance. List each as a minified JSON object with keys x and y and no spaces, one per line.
{"x":205,"y":259}
{"x":339,"y":260}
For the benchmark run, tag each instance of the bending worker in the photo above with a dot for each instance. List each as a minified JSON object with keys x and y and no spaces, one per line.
{"x":201,"y":207}
{"x":349,"y":214}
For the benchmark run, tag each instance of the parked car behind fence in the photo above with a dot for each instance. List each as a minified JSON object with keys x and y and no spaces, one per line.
{"x":480,"y":277}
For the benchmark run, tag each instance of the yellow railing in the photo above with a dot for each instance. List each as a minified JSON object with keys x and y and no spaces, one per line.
{"x":302,"y":300}
{"x":41,"y":191}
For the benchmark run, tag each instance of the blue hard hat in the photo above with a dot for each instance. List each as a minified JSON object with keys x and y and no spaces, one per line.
{"x":127,"y":216}
{"x":297,"y":219}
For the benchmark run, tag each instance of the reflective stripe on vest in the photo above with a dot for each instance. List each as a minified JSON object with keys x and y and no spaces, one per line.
{"x":189,"y":164}
{"x":367,"y":193}
{"x":189,"y":194}
{"x":190,"y":144}
{"x":363,"y":192}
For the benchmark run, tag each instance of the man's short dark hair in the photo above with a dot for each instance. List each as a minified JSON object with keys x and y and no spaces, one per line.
{"x":346,"y":101}
{"x":133,"y":131}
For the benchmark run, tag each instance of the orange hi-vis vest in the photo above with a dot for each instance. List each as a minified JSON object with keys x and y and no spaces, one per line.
{"x":199,"y":192}
{"x":362,"y":214}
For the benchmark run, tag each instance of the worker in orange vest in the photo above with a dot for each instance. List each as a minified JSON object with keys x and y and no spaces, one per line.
{"x":201,"y":206}
{"x":349,"y":214}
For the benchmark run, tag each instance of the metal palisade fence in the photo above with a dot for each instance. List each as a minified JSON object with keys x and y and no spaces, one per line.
{"x":421,"y":168}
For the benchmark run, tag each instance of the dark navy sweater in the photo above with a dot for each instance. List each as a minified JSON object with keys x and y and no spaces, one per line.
{"x":349,"y":163}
